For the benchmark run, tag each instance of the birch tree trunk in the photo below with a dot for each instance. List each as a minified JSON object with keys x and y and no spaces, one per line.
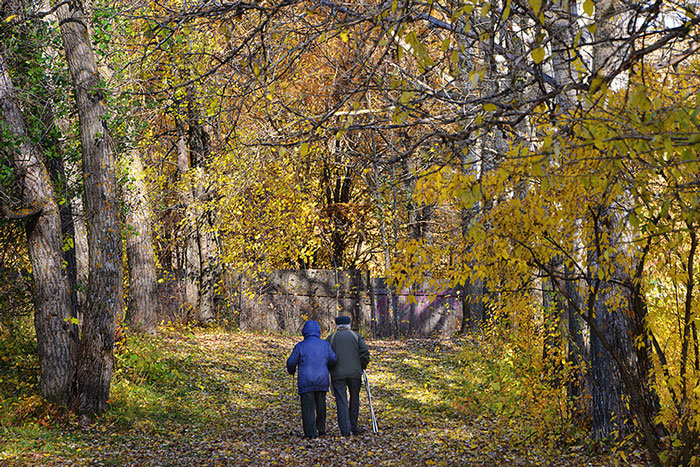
{"x":52,"y":300}
{"x":104,"y":292}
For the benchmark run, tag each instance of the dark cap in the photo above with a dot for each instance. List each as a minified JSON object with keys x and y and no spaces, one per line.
{"x":342,"y":320}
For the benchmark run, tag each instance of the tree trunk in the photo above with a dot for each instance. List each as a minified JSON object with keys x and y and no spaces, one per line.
{"x":610,"y":410}
{"x":192,"y":260}
{"x":141,"y":305}
{"x":210,"y":273}
{"x":23,"y":62}
{"x":578,"y":354}
{"x":198,"y":142}
{"x":104,"y":294}
{"x":51,"y":296}
{"x":58,"y":178}
{"x":81,"y":251}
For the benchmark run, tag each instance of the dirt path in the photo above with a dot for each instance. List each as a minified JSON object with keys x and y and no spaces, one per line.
{"x":225,"y":399}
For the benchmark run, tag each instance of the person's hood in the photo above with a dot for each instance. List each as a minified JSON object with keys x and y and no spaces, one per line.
{"x":311,"y":329}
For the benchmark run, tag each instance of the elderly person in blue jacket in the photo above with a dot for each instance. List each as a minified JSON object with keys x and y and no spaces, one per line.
{"x":314,"y":357}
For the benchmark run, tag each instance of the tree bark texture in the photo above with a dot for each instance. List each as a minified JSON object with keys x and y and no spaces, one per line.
{"x":141,"y":314}
{"x":51,"y":296}
{"x":609,"y":390}
{"x":58,"y":177}
{"x":104,"y":292}
{"x":192,"y":261}
{"x":81,"y":251}
{"x":208,"y":253}
{"x":202,"y":227}
{"x":609,"y":411}
{"x":23,"y":63}
{"x":578,"y":354}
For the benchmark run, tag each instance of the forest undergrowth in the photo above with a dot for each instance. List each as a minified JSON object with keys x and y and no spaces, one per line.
{"x":212,"y":397}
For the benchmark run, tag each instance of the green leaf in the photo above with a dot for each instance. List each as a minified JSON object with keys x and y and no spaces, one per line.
{"x":536,"y":5}
{"x":588,"y":7}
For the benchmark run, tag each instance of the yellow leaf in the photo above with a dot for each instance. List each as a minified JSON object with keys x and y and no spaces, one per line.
{"x":485,"y":9}
{"x":506,"y":11}
{"x":344,"y":36}
{"x":445,"y":44}
{"x":588,"y":7}
{"x":538,"y":54}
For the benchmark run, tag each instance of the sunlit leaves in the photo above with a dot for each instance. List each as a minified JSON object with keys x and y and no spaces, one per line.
{"x":538,"y":54}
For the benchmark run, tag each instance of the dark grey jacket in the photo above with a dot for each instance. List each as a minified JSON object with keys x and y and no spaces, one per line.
{"x":352,"y":352}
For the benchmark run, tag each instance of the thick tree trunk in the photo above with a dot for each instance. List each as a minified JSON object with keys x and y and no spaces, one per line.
{"x":609,"y":390}
{"x":104,"y":294}
{"x":192,"y":260}
{"x":23,"y":63}
{"x":141,"y":305}
{"x":609,"y":411}
{"x":198,"y":144}
{"x":51,"y":297}
{"x":58,"y":178}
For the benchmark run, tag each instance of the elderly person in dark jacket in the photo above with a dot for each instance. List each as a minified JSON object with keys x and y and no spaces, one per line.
{"x":314,"y":357}
{"x":353,"y":357}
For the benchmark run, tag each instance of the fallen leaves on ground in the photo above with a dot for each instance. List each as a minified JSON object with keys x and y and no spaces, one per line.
{"x":221,"y":398}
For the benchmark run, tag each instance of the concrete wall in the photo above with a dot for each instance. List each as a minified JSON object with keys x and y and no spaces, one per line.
{"x":282,"y":300}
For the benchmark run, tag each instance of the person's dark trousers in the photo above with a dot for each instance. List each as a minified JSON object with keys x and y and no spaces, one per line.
{"x":313,"y":413}
{"x":347,"y":413}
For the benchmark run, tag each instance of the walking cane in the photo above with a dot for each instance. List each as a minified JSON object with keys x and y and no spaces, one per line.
{"x":369,"y":398}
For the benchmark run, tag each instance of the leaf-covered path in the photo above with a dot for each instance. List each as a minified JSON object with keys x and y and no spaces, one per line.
{"x":216,"y":398}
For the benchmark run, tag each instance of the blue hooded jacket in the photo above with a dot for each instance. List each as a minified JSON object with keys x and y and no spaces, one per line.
{"x":314,"y":357}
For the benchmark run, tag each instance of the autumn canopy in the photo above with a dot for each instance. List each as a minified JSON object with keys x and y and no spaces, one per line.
{"x":505,"y":195}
